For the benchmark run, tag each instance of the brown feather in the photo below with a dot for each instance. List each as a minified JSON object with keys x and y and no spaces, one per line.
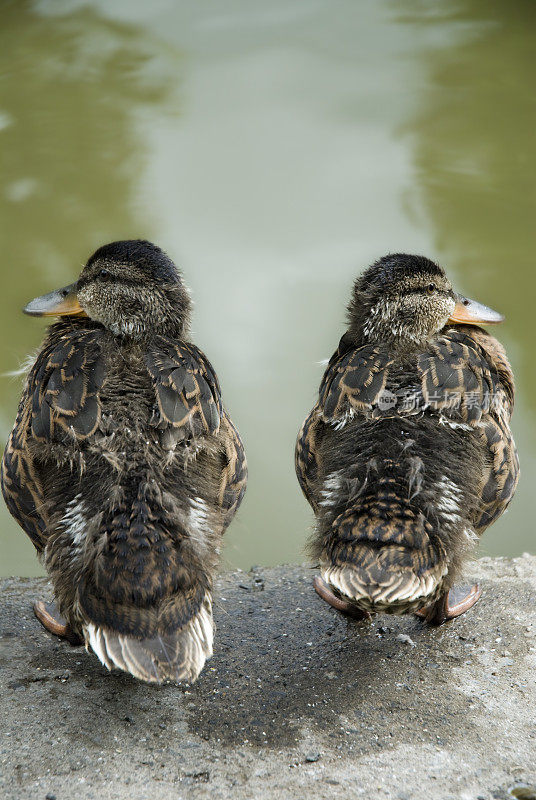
{"x":124,"y":469}
{"x":399,"y":489}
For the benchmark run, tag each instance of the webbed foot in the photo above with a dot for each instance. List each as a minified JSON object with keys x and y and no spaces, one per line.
{"x":324,"y":591}
{"x":51,"y":619}
{"x":450,"y":604}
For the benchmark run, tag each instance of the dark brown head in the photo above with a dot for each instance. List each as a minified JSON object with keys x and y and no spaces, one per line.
{"x":405,"y":300}
{"x":130,"y":287}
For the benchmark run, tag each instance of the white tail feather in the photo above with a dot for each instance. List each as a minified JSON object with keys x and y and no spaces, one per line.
{"x":398,"y":589}
{"x":177,"y":657}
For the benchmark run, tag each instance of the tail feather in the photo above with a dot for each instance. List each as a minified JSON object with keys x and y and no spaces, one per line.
{"x":392,"y":564}
{"x":177,"y":656}
{"x":391,"y":537}
{"x":399,"y":590}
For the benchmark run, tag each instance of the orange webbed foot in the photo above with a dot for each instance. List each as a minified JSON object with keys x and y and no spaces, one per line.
{"x":324,"y":591}
{"x":51,"y":619}
{"x":450,"y":604}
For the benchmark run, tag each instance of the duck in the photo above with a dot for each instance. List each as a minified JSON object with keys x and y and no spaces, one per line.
{"x":407,"y":456}
{"x":123,"y":466}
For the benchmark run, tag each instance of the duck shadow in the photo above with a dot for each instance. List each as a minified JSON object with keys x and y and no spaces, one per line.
{"x":284,"y":662}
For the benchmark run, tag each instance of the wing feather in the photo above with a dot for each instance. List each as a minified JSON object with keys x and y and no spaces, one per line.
{"x":354,"y":380}
{"x":235,"y":472}
{"x":59,"y":400}
{"x":188,"y":398}
{"x":352,"y":384}
{"x":463,"y":377}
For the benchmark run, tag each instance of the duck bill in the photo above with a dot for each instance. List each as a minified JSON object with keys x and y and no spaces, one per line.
{"x":60,"y":303}
{"x":469,"y":312}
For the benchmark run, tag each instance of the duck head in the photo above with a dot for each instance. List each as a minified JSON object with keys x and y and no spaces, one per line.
{"x":130,"y":287}
{"x":404,"y":300}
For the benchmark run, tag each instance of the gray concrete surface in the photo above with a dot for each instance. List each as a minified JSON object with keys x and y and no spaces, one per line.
{"x":297,"y":702}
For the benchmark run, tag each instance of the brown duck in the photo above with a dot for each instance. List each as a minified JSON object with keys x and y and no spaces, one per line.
{"x":123,"y":467}
{"x":407,"y":457}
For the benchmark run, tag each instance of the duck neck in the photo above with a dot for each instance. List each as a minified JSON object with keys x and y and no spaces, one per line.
{"x":169,"y":317}
{"x":380,"y":325}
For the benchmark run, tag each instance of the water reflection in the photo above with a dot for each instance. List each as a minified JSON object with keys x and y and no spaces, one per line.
{"x":74,"y":85}
{"x":474,"y":151}
{"x":273,"y":152}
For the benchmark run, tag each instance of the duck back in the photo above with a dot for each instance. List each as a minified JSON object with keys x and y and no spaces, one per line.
{"x":137,"y":471}
{"x":382,"y":537}
{"x":406,"y":458}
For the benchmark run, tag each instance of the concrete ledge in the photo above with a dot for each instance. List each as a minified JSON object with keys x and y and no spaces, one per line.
{"x":297,"y":702}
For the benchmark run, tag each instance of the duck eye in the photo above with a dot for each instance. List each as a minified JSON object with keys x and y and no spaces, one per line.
{"x":431,"y":288}
{"x":105,"y":274}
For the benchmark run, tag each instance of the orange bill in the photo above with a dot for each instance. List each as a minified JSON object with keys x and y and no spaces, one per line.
{"x":60,"y":303}
{"x":469,"y":312}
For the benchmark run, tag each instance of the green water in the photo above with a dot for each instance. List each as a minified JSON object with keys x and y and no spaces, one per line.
{"x":274,"y":150}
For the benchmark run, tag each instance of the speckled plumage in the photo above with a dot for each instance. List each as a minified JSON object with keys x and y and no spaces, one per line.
{"x":125,"y":470}
{"x":407,"y":456}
